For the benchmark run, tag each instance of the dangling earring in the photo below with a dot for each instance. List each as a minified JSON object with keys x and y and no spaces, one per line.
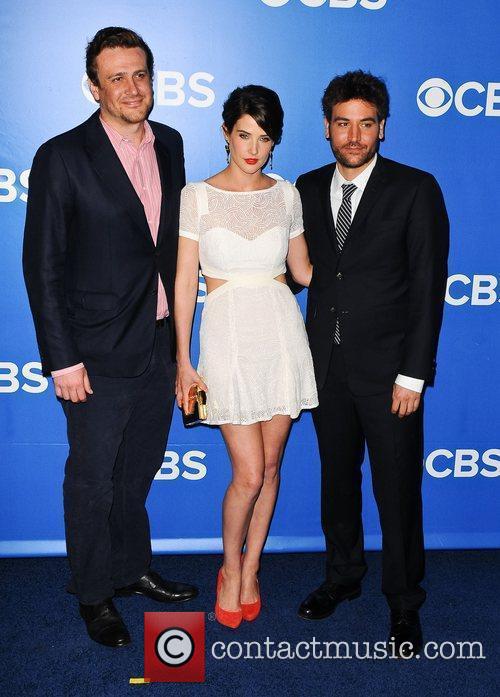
{"x":271,"y":161}
{"x":228,"y":152}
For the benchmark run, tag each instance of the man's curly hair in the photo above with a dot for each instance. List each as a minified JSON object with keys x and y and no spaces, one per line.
{"x":356,"y":84}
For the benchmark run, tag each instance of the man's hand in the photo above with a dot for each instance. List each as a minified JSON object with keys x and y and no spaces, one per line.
{"x":404,"y":401}
{"x":73,"y":386}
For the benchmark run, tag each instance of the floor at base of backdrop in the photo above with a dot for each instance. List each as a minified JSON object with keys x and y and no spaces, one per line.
{"x":45,"y":650}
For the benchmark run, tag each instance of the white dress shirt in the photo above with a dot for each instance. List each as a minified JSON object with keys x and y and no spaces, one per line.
{"x":411,"y":383}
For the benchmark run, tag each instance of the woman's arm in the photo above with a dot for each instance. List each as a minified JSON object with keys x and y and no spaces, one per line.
{"x":186,"y":291}
{"x":298,"y":261}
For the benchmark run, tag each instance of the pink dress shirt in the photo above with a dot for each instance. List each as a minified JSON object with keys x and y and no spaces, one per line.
{"x":141,"y":167}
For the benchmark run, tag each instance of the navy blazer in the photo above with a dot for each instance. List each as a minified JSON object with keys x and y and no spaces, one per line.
{"x":387,"y":285}
{"x":90,"y":264}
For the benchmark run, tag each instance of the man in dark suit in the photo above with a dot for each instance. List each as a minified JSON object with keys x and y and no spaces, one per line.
{"x":99,"y":261}
{"x":377,"y":233}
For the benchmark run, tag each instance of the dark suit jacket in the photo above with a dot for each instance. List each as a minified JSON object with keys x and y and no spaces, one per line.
{"x":90,"y":264}
{"x":387,"y":286}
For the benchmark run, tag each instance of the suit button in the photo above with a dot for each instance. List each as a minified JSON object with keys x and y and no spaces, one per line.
{"x":339,"y":276}
{"x":332,"y":309}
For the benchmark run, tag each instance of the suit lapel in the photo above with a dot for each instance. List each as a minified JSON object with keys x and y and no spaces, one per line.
{"x":165,"y":169}
{"x":325,"y":189}
{"x":107,"y":165}
{"x":371,"y":194}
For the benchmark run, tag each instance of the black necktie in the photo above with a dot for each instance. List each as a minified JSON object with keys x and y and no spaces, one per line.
{"x":344,"y":217}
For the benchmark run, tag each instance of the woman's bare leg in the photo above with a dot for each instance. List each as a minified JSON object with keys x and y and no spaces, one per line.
{"x":246,"y":450}
{"x":274,"y":435}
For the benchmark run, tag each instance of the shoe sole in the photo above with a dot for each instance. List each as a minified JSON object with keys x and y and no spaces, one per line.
{"x":127,"y":594}
{"x":113,"y":646}
{"x":353,"y":596}
{"x":117,"y":645}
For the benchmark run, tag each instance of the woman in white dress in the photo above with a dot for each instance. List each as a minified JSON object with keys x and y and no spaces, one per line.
{"x":242,"y":227}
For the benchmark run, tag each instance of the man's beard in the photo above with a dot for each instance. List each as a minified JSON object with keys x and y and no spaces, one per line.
{"x":364,"y":157}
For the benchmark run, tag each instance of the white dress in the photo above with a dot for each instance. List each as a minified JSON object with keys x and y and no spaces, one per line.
{"x":254,"y":353}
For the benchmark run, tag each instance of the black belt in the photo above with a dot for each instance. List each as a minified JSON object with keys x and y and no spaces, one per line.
{"x":162,"y":322}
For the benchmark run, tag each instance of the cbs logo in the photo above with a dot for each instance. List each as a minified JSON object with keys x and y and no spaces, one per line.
{"x":202,"y":289}
{"x":483,"y":290}
{"x":193,"y":468}
{"x":8,"y":189}
{"x":463,"y":463}
{"x":34,"y":382}
{"x":171,"y":89}
{"x":340,"y":4}
{"x":435,"y":97}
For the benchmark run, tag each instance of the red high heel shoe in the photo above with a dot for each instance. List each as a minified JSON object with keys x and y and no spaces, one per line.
{"x":229,"y":618}
{"x":250,"y":611}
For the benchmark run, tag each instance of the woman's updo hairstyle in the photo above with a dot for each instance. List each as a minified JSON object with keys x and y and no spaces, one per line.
{"x":261,"y":103}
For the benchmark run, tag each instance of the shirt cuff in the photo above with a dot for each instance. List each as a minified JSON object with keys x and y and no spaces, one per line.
{"x":414,"y":384}
{"x":65,"y":371}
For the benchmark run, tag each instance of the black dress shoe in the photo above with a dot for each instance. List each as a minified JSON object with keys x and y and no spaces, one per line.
{"x":104,"y":624}
{"x":323,"y":601}
{"x":406,"y":633}
{"x":153,"y":586}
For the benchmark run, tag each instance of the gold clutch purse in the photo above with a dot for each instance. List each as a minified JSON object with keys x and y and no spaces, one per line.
{"x":197,"y":406}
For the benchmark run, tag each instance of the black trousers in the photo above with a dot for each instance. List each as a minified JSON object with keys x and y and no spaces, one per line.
{"x":344,"y":423}
{"x":117,"y":440}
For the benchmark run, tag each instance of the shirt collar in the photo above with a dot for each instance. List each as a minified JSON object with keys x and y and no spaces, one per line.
{"x":360,"y":181}
{"x":117,"y":138}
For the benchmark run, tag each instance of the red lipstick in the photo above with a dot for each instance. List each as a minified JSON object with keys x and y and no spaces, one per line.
{"x":251,"y":161}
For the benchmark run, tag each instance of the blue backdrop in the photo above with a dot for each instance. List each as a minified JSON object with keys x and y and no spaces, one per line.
{"x":438,"y":59}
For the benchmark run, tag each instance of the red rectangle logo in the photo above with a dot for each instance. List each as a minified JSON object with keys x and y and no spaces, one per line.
{"x":174,"y":646}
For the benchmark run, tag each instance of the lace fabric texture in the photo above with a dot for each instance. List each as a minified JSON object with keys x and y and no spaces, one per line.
{"x":241,"y":232}
{"x":254,"y":353}
{"x":250,"y":216}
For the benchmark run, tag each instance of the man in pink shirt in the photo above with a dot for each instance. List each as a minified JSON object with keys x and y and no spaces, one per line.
{"x":99,"y":261}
